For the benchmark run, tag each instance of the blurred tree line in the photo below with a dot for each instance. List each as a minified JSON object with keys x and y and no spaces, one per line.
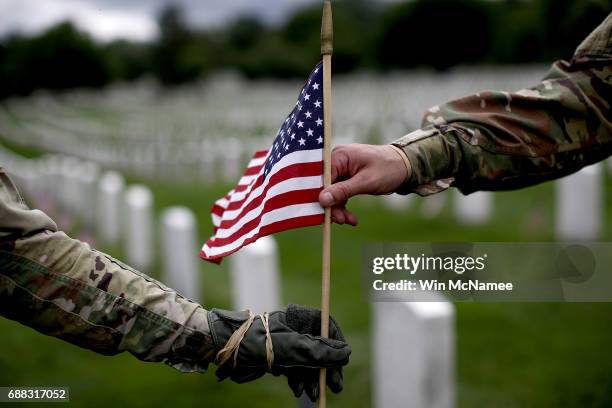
{"x":430,"y":33}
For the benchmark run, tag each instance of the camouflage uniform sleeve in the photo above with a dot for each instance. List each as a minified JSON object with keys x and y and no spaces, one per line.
{"x":63,"y":288}
{"x":501,"y":141}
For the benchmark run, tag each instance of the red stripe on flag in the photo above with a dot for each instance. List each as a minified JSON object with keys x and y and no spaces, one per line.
{"x":217,"y":210}
{"x":274,"y":203}
{"x":252,"y":170}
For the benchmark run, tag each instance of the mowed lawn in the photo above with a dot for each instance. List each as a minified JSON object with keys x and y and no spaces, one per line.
{"x":508,"y":354}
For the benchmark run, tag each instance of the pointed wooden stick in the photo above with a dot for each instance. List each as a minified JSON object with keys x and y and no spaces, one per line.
{"x":327,"y":34}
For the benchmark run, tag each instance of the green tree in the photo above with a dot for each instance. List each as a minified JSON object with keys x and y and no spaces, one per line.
{"x":60,"y":58}
{"x":180,"y":54}
{"x":244,"y":33}
{"x":565,"y":23}
{"x":438,"y":33}
{"x":128,"y":60}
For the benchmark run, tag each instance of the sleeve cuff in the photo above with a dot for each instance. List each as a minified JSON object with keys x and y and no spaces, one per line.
{"x":404,"y":158}
{"x":427,"y":153}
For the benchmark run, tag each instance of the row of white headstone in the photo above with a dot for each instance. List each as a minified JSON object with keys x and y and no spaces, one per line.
{"x":473,"y":209}
{"x":123,"y":216}
{"x":373,"y":107}
{"x":579,"y":205}
{"x":207,"y":162}
{"x":254,"y":270}
{"x":183,"y":136}
{"x":129,"y":216}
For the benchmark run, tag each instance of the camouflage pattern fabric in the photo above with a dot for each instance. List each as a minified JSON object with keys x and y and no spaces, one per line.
{"x":500,"y":141}
{"x":63,"y":288}
{"x":16,"y":219}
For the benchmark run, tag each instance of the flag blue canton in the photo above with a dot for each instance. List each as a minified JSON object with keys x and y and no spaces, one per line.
{"x":303,"y":128}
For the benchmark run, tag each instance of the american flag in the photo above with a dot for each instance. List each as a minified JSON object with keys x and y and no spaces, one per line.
{"x":280,"y":187}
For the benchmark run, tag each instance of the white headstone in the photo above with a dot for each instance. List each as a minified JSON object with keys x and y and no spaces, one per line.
{"x":255,"y":278}
{"x":579,"y":205}
{"x":434,"y":204}
{"x":231,"y":165}
{"x":180,"y":251}
{"x":397,"y":202}
{"x":413,"y":355}
{"x":88,"y":185}
{"x":207,"y":170}
{"x":32,"y":176}
{"x":27,"y":177}
{"x":110,"y":207}
{"x":50,"y":180}
{"x":138,"y":227}
{"x":70,"y":197}
{"x":475,"y":208}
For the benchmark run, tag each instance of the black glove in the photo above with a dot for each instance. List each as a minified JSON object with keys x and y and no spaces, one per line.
{"x":299,"y":351}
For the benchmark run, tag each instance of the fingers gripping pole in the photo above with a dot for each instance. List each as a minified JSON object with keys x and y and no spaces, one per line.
{"x":326,"y":51}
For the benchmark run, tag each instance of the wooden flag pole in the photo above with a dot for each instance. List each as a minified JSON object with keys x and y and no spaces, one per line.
{"x":327,"y":47}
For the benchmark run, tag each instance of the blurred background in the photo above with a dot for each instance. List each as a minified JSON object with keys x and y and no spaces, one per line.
{"x":98,"y":96}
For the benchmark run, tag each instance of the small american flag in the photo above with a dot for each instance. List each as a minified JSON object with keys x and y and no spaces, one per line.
{"x":280,"y":187}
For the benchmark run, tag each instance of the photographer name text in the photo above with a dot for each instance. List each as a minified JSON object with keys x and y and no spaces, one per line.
{"x":429,"y":264}
{"x":434,"y":285}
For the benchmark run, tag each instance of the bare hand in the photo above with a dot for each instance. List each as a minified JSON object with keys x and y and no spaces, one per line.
{"x":361,"y":169}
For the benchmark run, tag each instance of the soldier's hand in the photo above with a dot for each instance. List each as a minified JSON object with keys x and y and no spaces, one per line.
{"x":299,"y":351}
{"x":361,"y":169}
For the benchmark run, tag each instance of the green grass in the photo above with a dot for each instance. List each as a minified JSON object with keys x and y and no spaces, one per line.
{"x":508,"y":354}
{"x":27,"y":152}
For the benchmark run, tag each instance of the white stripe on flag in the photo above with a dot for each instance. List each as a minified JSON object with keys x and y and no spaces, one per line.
{"x":257,"y":161}
{"x":223,"y":202}
{"x":245,"y":180}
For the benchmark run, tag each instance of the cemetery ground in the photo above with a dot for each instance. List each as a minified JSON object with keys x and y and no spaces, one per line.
{"x":508,"y":354}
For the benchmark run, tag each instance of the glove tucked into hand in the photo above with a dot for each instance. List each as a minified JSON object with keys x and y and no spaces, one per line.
{"x":299,"y":351}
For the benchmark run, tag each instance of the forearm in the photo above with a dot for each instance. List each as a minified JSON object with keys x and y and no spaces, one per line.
{"x":501,"y":141}
{"x":62,"y":288}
